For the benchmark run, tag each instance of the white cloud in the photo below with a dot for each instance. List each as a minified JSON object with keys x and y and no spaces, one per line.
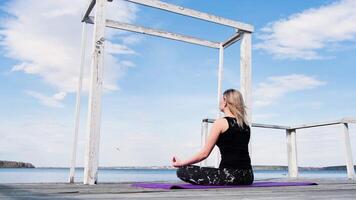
{"x":132,"y":39}
{"x":275,"y":87}
{"x":118,"y":49}
{"x":50,"y":101}
{"x":46,"y":41}
{"x":38,"y":140}
{"x":301,"y":35}
{"x":59,"y":95}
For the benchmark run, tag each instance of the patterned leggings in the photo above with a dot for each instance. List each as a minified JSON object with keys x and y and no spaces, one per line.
{"x":215,"y":176}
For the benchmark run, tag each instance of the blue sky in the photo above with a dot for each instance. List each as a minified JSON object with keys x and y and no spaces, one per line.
{"x":156,"y":91}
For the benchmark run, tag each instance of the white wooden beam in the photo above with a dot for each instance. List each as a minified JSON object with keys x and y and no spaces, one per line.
{"x":246,"y":77}
{"x":77,"y":106}
{"x":236,"y":37}
{"x":348,"y":120}
{"x":349,"y":160}
{"x":317,"y":124}
{"x":158,"y":33}
{"x":292,"y":153}
{"x":193,"y":13}
{"x":89,"y":7}
{"x":94,"y":106}
{"x":270,"y":126}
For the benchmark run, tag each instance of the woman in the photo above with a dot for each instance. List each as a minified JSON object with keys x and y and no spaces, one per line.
{"x":232,"y":135}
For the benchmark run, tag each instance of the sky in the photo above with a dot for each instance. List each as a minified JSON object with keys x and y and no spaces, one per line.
{"x":157,"y":91}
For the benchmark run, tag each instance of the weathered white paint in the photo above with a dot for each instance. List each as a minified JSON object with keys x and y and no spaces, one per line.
{"x":312,"y":125}
{"x":270,"y":126}
{"x":202,"y":142}
{"x":89,"y":7}
{"x":77,"y":106}
{"x":193,"y":13}
{"x":220,"y":77}
{"x":236,"y":37}
{"x":158,"y":33}
{"x":348,"y":120}
{"x":292,"y":153}
{"x":246,"y":78}
{"x":94,"y":106}
{"x":349,"y":160}
{"x":204,"y":135}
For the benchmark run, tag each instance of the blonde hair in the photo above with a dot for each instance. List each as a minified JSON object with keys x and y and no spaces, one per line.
{"x":236,"y":104}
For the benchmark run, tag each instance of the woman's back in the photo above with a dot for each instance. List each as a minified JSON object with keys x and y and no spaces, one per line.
{"x":233,"y":145}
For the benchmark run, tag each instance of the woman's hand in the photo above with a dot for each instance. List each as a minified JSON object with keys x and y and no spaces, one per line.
{"x":176,"y":162}
{"x":216,"y":129}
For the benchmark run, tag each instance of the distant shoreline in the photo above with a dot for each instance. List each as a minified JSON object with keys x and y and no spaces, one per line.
{"x":15,"y":164}
{"x":255,"y":167}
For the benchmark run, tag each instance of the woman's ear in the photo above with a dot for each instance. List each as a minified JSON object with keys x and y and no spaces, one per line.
{"x":224,"y":102}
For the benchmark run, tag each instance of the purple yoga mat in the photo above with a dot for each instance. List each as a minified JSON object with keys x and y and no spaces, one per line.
{"x":190,"y":186}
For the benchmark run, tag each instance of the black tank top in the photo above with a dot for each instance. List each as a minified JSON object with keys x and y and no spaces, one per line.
{"x":233,"y":145}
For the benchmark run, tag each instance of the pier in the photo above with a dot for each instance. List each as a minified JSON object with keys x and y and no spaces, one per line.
{"x":326,"y":189}
{"x":240,"y":33}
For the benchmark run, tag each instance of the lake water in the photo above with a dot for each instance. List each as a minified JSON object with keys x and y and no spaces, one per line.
{"x":40,"y":175}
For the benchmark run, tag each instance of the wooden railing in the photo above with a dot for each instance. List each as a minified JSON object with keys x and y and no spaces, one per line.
{"x":291,"y":135}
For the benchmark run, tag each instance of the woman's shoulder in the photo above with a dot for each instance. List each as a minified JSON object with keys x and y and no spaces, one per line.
{"x":221,"y":119}
{"x":222,"y":123}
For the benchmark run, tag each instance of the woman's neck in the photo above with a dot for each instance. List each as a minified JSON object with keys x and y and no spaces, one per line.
{"x":228,"y":113}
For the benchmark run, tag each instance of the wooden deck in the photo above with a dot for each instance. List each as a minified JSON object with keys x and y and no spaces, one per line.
{"x":327,"y":189}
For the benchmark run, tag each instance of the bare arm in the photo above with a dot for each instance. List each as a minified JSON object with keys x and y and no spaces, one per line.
{"x":206,"y":150}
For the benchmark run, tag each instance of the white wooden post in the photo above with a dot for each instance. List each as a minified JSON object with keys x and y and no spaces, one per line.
{"x":204,"y":133}
{"x":292,"y":153}
{"x":220,"y":76}
{"x":246,"y":78}
{"x":349,"y":161}
{"x":202,"y":142}
{"x":94,"y":106}
{"x":77,"y":106}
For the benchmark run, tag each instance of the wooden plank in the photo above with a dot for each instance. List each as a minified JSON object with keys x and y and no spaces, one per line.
{"x":236,"y":37}
{"x":326,"y":189}
{"x":89,"y":8}
{"x":94,"y":105}
{"x":246,"y":78}
{"x":292,"y":153}
{"x":349,"y":160}
{"x":348,"y":120}
{"x":77,"y":106}
{"x":311,"y":125}
{"x":258,"y":125}
{"x":193,"y":13}
{"x":208,"y":120}
{"x":158,"y":33}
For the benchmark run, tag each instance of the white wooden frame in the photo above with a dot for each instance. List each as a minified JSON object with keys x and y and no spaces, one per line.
{"x":291,"y":141}
{"x":243,"y":32}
